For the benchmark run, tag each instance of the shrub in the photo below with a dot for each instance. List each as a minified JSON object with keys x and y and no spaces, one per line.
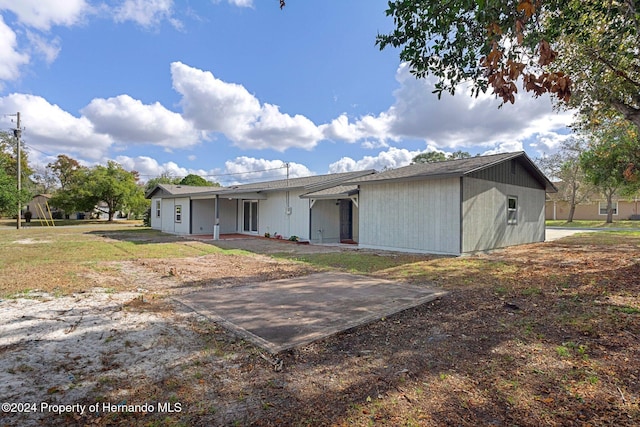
{"x":146,"y":218}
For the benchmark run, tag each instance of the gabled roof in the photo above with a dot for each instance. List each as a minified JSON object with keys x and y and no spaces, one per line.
{"x":454,"y":168}
{"x":337,"y":192}
{"x":178,"y":190}
{"x":309,"y":183}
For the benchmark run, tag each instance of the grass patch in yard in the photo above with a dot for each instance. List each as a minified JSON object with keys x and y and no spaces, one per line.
{"x":355,"y":262}
{"x":593,"y":224}
{"x":605,"y":238}
{"x":56,"y":259}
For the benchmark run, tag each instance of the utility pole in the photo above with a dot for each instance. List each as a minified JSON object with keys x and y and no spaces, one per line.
{"x":17,"y":132}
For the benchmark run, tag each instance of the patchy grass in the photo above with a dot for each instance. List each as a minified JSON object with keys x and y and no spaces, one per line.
{"x":629,"y":239}
{"x":356,"y":262}
{"x":58,"y":260}
{"x":70,"y":222}
{"x":594,"y":224}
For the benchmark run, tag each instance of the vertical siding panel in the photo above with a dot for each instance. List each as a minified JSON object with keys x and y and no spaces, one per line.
{"x":326,"y":217}
{"x":484,"y":213}
{"x":421,"y":216}
{"x":203,"y":217}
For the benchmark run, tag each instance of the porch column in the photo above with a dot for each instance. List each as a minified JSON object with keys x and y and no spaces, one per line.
{"x":216,"y":227}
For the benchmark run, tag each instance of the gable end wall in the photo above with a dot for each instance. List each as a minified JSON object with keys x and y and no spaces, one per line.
{"x":484,"y":215}
{"x":503,"y":173}
{"x":411,"y":216}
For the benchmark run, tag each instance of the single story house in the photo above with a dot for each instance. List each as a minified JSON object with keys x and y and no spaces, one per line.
{"x":594,"y":209}
{"x":271,"y":207}
{"x":452,"y":207}
{"x":40,"y":208}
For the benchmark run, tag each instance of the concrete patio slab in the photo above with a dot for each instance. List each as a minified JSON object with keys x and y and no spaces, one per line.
{"x":286,"y":313}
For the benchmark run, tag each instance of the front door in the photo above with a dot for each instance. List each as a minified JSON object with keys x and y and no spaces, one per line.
{"x":346,"y":220}
{"x":250,"y":212}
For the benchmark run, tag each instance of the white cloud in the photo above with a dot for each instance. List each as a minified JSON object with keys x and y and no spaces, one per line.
{"x":453,"y":122}
{"x":241,"y":170}
{"x":47,"y":127}
{"x":217,"y":106}
{"x":43,"y":14}
{"x":10,"y":59}
{"x":241,"y":3}
{"x":245,"y":169}
{"x":149,"y":167}
{"x":48,"y":49}
{"x":505,"y":147}
{"x":390,"y":159}
{"x":365,"y":127}
{"x":147,"y":13}
{"x":129,"y":120}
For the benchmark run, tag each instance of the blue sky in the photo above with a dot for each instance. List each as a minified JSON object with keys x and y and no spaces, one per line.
{"x":228,"y":88}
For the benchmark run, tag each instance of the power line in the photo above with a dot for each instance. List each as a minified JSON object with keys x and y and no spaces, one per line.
{"x":228,"y":173}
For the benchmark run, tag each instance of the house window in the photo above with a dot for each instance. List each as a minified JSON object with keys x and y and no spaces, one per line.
{"x":178,"y":213}
{"x":603,"y":208}
{"x":157,"y":208}
{"x":512,"y":210}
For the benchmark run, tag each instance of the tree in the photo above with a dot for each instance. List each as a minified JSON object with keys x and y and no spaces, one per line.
{"x":564,"y":165}
{"x":65,"y":170}
{"x":602,"y":56}
{"x":10,"y":198}
{"x":437,"y":156}
{"x":500,"y":42}
{"x":9,"y":194}
{"x":429,"y":157}
{"x":8,"y":155}
{"x":44,"y":180}
{"x":197,"y":181}
{"x":113,"y":185}
{"x":610,"y":161}
{"x":164,"y":178}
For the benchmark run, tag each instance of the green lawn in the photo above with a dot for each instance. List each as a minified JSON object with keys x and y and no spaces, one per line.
{"x":594,"y":224}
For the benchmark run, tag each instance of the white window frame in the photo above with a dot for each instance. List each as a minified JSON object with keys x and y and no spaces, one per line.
{"x":158,"y":208}
{"x":602,"y":208}
{"x":178,"y":213}
{"x":512,"y":211}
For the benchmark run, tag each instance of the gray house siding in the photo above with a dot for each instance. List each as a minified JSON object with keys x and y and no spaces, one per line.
{"x":412,"y":216}
{"x":202,"y":216}
{"x":484,"y":213}
{"x":169,"y":223}
{"x":508,"y":172}
{"x":325,"y":221}
{"x":156,"y":220}
{"x":228,"y":216}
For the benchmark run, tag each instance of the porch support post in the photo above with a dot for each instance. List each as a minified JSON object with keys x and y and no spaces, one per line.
{"x":216,"y":227}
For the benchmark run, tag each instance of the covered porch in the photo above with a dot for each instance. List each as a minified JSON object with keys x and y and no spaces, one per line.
{"x":334,"y":215}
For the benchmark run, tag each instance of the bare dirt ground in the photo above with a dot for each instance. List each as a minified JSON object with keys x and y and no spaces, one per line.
{"x":545,"y":334}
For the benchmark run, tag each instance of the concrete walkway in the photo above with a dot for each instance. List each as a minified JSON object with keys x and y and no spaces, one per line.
{"x":555,"y":233}
{"x":286,"y":313}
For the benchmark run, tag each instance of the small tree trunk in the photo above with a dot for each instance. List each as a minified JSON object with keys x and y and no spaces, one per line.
{"x":572,"y":211}
{"x":111,"y":215}
{"x":609,"y":208}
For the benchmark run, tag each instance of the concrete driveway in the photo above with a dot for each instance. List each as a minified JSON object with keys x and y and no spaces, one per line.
{"x":286,"y":313}
{"x":555,"y":233}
